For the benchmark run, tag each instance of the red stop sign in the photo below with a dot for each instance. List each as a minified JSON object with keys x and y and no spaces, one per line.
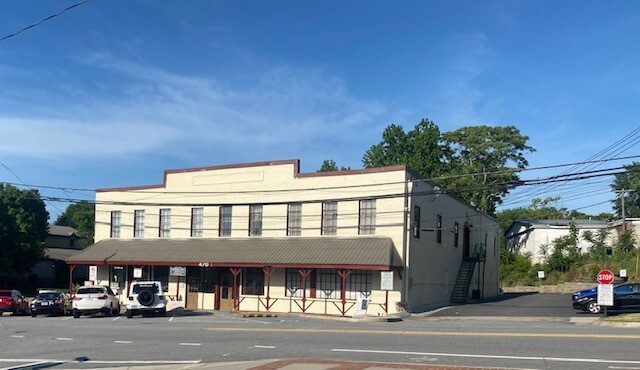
{"x":605,"y":277}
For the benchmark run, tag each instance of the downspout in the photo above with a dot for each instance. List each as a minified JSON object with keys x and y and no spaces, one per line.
{"x":405,"y":240}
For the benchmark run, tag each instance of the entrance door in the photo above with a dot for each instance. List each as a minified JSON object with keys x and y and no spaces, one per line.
{"x":466,"y":241}
{"x":224,"y":291}
{"x":193,"y":284}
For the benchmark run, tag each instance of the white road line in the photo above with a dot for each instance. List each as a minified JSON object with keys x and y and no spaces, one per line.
{"x":123,"y":362}
{"x":534,"y":358}
{"x":624,"y":368}
{"x":68,"y":318}
{"x":27,"y":366}
{"x":122,"y":341}
{"x":117,"y":318}
{"x":171,"y":319}
{"x":268,"y":347}
{"x":64,"y":338}
{"x":17,"y":336}
{"x":190,"y":344}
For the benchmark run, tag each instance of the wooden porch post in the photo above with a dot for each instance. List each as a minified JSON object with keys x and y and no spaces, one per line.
{"x":304,"y":273}
{"x":268,"y":271}
{"x":344,"y":274}
{"x":234,"y":291}
{"x":71,"y":268}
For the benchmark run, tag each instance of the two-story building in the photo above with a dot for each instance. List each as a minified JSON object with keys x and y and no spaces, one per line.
{"x":265,"y":237}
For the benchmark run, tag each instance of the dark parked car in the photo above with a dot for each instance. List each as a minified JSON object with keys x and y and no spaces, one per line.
{"x":626,"y":296}
{"x":13,"y":301}
{"x":51,"y":303}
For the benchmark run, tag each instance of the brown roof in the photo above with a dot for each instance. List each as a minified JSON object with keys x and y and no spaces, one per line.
{"x":58,"y":230}
{"x":363,"y":252}
{"x":59,"y":253}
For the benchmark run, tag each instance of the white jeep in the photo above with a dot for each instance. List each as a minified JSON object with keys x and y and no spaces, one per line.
{"x":146,"y":297}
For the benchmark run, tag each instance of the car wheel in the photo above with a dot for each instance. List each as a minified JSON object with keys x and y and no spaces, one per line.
{"x":129,"y":314}
{"x":116,"y":311}
{"x":76,"y":313}
{"x":593,"y":307}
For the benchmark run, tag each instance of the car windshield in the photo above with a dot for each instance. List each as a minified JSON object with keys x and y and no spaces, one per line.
{"x":5,"y":294}
{"x":45,"y":296}
{"x":90,"y":291}
{"x":140,"y":287}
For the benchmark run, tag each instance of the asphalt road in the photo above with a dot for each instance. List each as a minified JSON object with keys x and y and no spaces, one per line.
{"x":551,"y":342}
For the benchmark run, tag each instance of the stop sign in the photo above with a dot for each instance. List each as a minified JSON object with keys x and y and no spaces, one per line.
{"x":605,"y":277}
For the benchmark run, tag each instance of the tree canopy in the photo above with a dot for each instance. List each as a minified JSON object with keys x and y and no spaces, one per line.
{"x":421,"y":149}
{"x":630,"y":182}
{"x":80,"y":216}
{"x":329,"y":165}
{"x":23,"y":228}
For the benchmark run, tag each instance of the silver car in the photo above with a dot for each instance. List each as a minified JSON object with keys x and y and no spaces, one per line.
{"x":95,"y":299}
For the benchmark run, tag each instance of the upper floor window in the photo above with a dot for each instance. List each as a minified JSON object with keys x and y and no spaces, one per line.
{"x":196,"y":222}
{"x":115,"y":224}
{"x":367,"y":219}
{"x":138,"y":223}
{"x":416,"y":222}
{"x":255,"y":220}
{"x":224,"y":227}
{"x":439,"y":230}
{"x":329,"y":218}
{"x":165,"y":223}
{"x":455,"y":234}
{"x":294,"y":219}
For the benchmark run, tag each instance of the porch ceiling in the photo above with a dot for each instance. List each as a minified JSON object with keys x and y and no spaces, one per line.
{"x":362,"y":252}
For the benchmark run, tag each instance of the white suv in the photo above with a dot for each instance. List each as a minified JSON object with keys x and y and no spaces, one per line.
{"x":146,"y":297}
{"x":94,"y":299}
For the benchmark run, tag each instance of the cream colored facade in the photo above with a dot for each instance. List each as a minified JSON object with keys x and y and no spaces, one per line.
{"x":431,"y":268}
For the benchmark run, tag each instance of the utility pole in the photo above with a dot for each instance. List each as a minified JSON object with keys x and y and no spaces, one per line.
{"x":624,"y":218}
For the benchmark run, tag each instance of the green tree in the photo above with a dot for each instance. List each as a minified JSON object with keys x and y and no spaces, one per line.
{"x":598,"y":241}
{"x":421,"y":149}
{"x":566,"y":253}
{"x":23,"y":228}
{"x":629,"y":181}
{"x":80,"y":216}
{"x":329,"y":165}
{"x":539,"y":209}
{"x":485,"y":161}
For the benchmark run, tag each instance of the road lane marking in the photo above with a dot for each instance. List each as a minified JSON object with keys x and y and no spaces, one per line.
{"x":123,"y":341}
{"x":17,"y":336}
{"x":431,"y":333}
{"x":32,"y":365}
{"x":267,"y":347}
{"x":68,"y":318}
{"x":171,"y":319}
{"x":528,"y":358}
{"x":190,"y":344}
{"x":624,"y":368}
{"x":64,"y":338}
{"x":117,"y":318}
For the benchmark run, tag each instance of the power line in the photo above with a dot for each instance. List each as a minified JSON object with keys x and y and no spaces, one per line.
{"x":43,"y":20}
{"x":19,"y":179}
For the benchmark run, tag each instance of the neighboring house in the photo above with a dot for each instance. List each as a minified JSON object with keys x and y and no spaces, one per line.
{"x":265,"y":237}
{"x":536,"y":237}
{"x":61,"y":243}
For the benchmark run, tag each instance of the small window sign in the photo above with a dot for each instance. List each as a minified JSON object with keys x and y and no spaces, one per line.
{"x":137,"y":272}
{"x":623,"y":273}
{"x":540,"y":274}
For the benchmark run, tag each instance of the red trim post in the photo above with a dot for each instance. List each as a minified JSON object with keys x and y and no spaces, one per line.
{"x":71,"y":268}
{"x":344,"y":274}
{"x":304,"y":273}
{"x":235,"y":271}
{"x":268,"y":271}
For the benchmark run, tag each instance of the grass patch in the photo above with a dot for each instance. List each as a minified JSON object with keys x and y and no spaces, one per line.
{"x":625,"y":317}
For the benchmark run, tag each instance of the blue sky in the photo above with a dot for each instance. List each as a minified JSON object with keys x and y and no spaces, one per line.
{"x":112,"y":93}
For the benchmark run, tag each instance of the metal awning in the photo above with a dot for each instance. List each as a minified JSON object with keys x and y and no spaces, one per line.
{"x":361,"y":252}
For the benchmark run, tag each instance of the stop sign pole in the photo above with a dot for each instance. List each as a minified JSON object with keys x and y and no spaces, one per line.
{"x":605,"y":289}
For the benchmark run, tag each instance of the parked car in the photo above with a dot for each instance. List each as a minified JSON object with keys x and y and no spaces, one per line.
{"x":626,"y":296}
{"x":93,"y":299}
{"x":13,"y":301}
{"x":51,"y":303}
{"x":146,"y":297}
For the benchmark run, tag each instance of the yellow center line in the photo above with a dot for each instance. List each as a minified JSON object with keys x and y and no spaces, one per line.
{"x":431,"y":333}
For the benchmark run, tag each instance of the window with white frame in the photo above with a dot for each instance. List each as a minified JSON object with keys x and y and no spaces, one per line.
{"x":197,"y":221}
{"x":255,"y":220}
{"x":329,"y":218}
{"x":164,"y":229}
{"x":294,"y":219}
{"x":224,"y":227}
{"x":138,"y":223}
{"x":367,"y":219}
{"x":116,"y":217}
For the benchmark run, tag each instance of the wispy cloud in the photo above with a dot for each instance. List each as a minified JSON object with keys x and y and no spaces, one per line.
{"x":146,"y":109}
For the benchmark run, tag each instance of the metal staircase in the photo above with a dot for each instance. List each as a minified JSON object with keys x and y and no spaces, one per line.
{"x":463,"y":282}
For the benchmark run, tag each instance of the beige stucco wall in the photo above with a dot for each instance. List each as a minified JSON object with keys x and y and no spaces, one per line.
{"x":436,"y":265}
